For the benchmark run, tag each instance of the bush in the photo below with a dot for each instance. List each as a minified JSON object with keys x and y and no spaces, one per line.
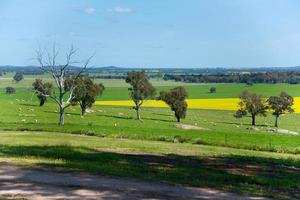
{"x":179,"y":139}
{"x":213,"y":90}
{"x":10,"y":90}
{"x":249,"y":83}
{"x":18,"y":77}
{"x":88,"y":132}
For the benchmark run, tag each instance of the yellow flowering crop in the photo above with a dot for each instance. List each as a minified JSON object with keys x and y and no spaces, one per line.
{"x":210,"y":104}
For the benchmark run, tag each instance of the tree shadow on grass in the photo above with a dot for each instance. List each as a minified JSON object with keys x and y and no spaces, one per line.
{"x":244,"y":124}
{"x":132,"y":118}
{"x":114,"y":116}
{"x":66,"y":113}
{"x":32,"y":105}
{"x":242,"y":174}
{"x":155,"y":119}
{"x":161,"y":114}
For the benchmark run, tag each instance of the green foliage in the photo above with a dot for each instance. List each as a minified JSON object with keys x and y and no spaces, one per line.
{"x":213,"y":90}
{"x":175,"y":98}
{"x":18,"y":77}
{"x":42,"y":90}
{"x":280,"y":105}
{"x":253,"y":104}
{"x":140,"y":90}
{"x":85,"y":92}
{"x":240,"y":113}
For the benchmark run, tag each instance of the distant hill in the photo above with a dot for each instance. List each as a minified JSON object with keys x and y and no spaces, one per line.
{"x":115,"y":69}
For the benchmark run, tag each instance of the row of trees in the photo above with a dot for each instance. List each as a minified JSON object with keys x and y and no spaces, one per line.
{"x":250,"y":78}
{"x":141,"y":89}
{"x":86,"y":91}
{"x":75,"y":89}
{"x":254,"y":104}
{"x":84,"y":94}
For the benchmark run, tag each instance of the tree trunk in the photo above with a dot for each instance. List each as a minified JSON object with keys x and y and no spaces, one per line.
{"x":42,"y":100}
{"x":61,"y":116}
{"x":83,"y":110}
{"x":253,"y":120}
{"x":61,"y":108}
{"x":137,"y":109}
{"x":178,"y":119}
{"x":276,"y":121}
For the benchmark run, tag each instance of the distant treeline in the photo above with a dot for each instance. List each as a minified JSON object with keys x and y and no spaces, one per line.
{"x":123,"y":76}
{"x":107,"y":77}
{"x":268,"y":77}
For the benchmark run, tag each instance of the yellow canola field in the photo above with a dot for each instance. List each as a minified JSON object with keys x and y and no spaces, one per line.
{"x":210,"y":104}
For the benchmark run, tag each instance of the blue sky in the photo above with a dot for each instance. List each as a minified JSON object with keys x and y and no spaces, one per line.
{"x":155,"y":33}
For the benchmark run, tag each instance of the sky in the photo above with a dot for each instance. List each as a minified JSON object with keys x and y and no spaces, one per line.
{"x":154,"y":33}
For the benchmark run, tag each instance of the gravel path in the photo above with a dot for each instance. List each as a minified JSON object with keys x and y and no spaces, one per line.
{"x":34,"y":183}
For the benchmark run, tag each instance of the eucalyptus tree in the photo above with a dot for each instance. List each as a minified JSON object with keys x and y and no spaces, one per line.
{"x":85,"y":93}
{"x":280,"y":104}
{"x":253,"y":104}
{"x":48,"y":61}
{"x":140,"y":90}
{"x":175,"y":98}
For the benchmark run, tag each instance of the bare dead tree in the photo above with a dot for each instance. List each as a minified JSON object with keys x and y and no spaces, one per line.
{"x":48,"y":63}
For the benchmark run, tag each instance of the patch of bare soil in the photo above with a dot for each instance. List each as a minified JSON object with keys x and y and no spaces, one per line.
{"x":190,"y":127}
{"x":44,"y":184}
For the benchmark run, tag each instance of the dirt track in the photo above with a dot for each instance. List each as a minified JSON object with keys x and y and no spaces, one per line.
{"x":42,"y":184}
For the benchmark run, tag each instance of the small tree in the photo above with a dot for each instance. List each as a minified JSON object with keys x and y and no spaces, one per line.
{"x":18,"y":77}
{"x":253,"y":104}
{"x":85,"y":93}
{"x":213,"y":90}
{"x":141,"y":89}
{"x":280,"y":105}
{"x":42,"y":90}
{"x":175,"y":98}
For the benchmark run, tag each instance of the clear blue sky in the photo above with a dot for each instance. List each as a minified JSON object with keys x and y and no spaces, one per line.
{"x":155,"y":33}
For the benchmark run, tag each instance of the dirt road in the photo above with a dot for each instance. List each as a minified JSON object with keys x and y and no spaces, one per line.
{"x":36,"y":183}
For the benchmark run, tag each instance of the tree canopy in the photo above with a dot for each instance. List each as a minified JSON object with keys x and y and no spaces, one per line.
{"x":85,"y":92}
{"x":42,"y":90}
{"x":140,"y":90}
{"x":59,"y":72}
{"x":280,"y":104}
{"x":253,"y":104}
{"x":18,"y":77}
{"x":175,"y":98}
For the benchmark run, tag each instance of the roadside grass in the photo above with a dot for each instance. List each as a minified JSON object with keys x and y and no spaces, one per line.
{"x":241,"y":171}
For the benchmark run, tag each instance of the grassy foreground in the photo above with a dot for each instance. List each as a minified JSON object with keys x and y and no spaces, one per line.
{"x":242,"y":171}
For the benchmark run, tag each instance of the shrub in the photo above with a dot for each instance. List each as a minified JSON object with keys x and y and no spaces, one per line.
{"x":213,"y":90}
{"x":10,"y":90}
{"x":18,"y":77}
{"x":179,"y":139}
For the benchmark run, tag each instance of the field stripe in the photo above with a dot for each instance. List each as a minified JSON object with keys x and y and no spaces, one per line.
{"x":210,"y":104}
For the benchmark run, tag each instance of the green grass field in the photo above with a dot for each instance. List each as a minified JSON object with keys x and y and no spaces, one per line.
{"x":107,"y":137}
{"x":118,"y":90}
